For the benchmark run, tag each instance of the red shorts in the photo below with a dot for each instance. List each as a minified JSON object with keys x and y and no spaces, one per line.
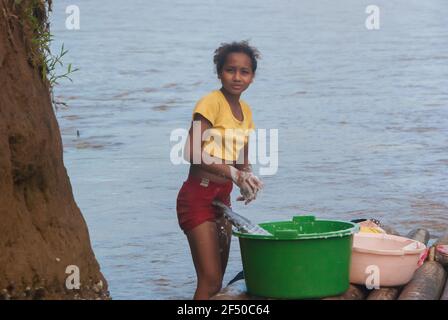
{"x":194,"y":201}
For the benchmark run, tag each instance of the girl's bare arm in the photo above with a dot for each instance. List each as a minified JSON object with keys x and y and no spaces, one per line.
{"x":207,"y":162}
{"x":243,"y":164}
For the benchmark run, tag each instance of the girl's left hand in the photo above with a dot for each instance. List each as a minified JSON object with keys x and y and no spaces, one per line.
{"x":257,"y":186}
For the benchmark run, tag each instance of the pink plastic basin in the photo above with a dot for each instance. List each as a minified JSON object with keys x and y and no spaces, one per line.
{"x":394,"y":259}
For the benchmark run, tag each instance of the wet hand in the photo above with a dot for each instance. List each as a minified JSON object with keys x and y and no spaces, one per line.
{"x":248,"y":183}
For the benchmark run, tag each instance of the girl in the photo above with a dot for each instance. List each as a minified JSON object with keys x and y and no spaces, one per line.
{"x":216,"y":165}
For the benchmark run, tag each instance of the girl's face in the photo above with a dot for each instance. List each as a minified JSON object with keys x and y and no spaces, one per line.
{"x":236,"y":74}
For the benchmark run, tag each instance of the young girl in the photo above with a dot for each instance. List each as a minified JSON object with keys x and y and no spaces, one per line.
{"x":216,"y":165}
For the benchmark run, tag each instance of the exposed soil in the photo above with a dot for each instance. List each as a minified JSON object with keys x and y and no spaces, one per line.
{"x":42,"y":230}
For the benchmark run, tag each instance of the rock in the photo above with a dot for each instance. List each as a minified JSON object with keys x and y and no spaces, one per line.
{"x":4,"y":295}
{"x":39,"y":294}
{"x":98,"y":287}
{"x":11,"y":286}
{"x":27,"y":292}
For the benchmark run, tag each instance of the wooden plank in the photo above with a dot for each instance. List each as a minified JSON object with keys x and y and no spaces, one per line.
{"x":427,"y":283}
{"x":441,"y":249}
{"x":384,"y":294}
{"x":354,"y":292}
{"x":445,"y":292}
{"x":389,"y":230}
{"x":419,"y":234}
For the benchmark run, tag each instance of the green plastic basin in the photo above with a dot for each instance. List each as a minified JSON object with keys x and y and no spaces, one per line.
{"x":304,"y":258}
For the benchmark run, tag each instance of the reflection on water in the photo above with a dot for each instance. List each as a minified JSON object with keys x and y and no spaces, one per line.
{"x":362,"y":118}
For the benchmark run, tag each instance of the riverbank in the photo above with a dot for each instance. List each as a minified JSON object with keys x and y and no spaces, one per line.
{"x":44,"y":241}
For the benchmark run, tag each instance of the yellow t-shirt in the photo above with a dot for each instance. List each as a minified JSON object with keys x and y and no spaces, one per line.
{"x":228,"y":135}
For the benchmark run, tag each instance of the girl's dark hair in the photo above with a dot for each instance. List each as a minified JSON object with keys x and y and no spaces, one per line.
{"x":226,"y":48}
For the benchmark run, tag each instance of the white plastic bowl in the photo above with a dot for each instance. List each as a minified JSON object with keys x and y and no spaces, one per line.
{"x":394,"y":258}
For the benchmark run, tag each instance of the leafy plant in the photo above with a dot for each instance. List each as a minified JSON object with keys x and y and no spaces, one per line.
{"x":50,"y":66}
{"x":41,"y":56}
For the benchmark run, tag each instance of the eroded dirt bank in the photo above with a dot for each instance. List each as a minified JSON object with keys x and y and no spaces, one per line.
{"x":42,"y":230}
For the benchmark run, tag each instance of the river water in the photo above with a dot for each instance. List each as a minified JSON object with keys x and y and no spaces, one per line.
{"x":362,"y":119}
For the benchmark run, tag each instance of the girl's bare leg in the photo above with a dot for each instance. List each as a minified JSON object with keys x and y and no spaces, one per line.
{"x":205,"y":250}
{"x":225,"y":236}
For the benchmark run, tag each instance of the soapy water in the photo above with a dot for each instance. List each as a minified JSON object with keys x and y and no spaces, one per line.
{"x":241,"y":223}
{"x":223,"y":235}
